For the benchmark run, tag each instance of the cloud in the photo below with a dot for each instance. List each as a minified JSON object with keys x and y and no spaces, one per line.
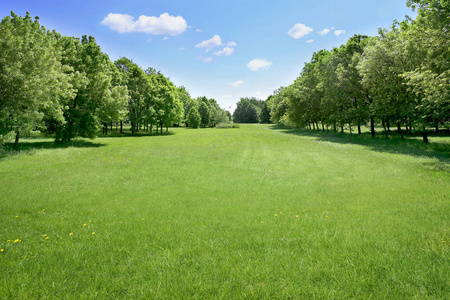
{"x":339,"y":32}
{"x":225,"y":52}
{"x":211,"y":43}
{"x":310,"y":41}
{"x":198,"y":30}
{"x":165,"y":24}
{"x":207,"y":59}
{"x":237,"y":83}
{"x":324,"y":32}
{"x":165,"y":38}
{"x":181,"y":48}
{"x":332,"y":28}
{"x":258,"y":63}
{"x":231,"y":44}
{"x":299,"y":30}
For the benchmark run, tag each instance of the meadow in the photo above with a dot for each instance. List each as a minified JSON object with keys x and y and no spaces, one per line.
{"x":256,"y":212}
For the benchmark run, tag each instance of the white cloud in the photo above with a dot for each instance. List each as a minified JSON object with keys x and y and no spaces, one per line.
{"x":237,"y":83}
{"x":231,"y":44}
{"x":207,"y":59}
{"x":324,"y":32}
{"x":165,"y":38}
{"x":310,"y":41}
{"x":299,"y":30}
{"x":198,"y":30}
{"x":339,"y":32}
{"x":258,"y":63}
{"x":211,"y":43}
{"x":333,"y":28}
{"x":165,"y":24}
{"x":225,"y":52}
{"x":181,"y":48}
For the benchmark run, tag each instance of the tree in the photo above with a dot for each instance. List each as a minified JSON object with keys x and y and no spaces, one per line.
{"x":194,"y":119}
{"x":204,"y":114}
{"x":32,"y":80}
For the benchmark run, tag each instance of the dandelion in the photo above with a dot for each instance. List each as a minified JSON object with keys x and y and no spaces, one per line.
{"x":43,"y":209}
{"x":16,"y":240}
{"x":39,"y":212}
{"x":44,"y":235}
{"x":84,"y":224}
{"x":47,"y":238}
{"x":8,"y":241}
{"x":71,"y":233}
{"x":142,"y":219}
{"x":326,"y":216}
{"x":276,"y":215}
{"x":296,"y":216}
{"x":17,"y":217}
{"x":90,"y":221}
{"x":262,"y":222}
{"x":281,"y":212}
{"x":93,"y":233}
{"x":2,"y":250}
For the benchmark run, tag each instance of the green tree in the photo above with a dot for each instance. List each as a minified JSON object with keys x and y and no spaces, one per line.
{"x":32,"y":81}
{"x":194,"y":119}
{"x":204,"y":114}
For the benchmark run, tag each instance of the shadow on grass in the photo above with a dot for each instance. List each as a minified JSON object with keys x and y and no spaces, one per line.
{"x":29,"y":145}
{"x":115,"y":134}
{"x":411,"y":145}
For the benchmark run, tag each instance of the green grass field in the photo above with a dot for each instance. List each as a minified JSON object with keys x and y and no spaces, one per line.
{"x":255,"y":212}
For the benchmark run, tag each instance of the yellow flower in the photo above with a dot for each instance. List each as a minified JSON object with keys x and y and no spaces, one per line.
{"x":17,"y":217}
{"x":281,"y":212}
{"x":84,"y":224}
{"x":262,"y":222}
{"x":43,"y":209}
{"x":90,"y":221}
{"x":8,"y":241}
{"x":276,"y":215}
{"x":1,"y":250}
{"x":142,"y":219}
{"x":71,"y":233}
{"x":16,"y":240}
{"x":296,"y":216}
{"x":47,"y":238}
{"x":326,"y":216}
{"x":93,"y":233}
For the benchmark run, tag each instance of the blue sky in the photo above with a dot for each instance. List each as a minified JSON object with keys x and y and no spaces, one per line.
{"x":219,"y":49}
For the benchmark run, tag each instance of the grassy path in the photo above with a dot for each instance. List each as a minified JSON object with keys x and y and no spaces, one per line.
{"x":254,"y":212}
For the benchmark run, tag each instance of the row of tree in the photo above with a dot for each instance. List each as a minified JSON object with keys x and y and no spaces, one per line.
{"x":251,"y":110}
{"x":400,"y":77}
{"x":68,"y":87}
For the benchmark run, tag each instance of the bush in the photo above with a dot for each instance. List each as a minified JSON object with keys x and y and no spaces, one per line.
{"x":227,"y":125}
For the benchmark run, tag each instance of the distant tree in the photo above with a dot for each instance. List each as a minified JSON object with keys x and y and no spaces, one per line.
{"x":204,"y":114}
{"x":194,"y":119}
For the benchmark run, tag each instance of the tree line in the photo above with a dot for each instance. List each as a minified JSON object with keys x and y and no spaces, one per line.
{"x":399,"y":78}
{"x":68,"y":87}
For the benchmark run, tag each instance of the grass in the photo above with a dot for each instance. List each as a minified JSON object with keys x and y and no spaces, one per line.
{"x":256,"y":212}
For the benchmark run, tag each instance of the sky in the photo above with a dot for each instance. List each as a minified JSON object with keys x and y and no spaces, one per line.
{"x":219,"y":49}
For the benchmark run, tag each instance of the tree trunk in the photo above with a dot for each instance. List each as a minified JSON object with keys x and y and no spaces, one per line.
{"x":317,"y":125}
{"x":342,"y":129}
{"x":388,"y":124}
{"x":111,"y":125}
{"x":359,"y":129}
{"x":384,"y":127}
{"x":106,"y":129}
{"x":425,"y":136}
{"x":314,"y":126}
{"x":323,"y":127}
{"x":167,"y":129}
{"x":399,"y":128}
{"x":437,"y":128}
{"x":350,"y":126}
{"x":16,"y":142}
{"x":121,"y":127}
{"x":372,"y":127}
